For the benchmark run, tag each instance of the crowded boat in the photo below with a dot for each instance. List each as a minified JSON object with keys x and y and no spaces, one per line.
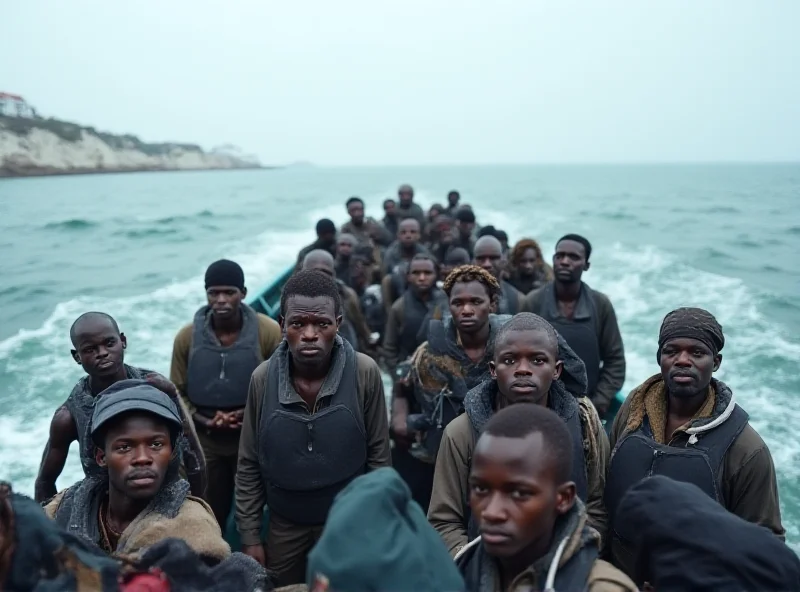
{"x":419,"y":403}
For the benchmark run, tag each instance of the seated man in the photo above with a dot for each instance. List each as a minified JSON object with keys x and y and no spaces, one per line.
{"x":534,"y":533}
{"x":532,"y":364}
{"x":140,"y":500}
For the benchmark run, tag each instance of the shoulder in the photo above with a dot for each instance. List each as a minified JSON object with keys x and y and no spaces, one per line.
{"x":259,"y":377}
{"x":366,"y":366}
{"x":184,"y":335}
{"x":537,"y":295}
{"x":588,"y":412}
{"x":460,"y":435}
{"x":51,"y":506}
{"x":197,"y":509}
{"x":195,"y":523}
{"x":349,"y":294}
{"x":748,"y":448}
{"x":601,"y":301}
{"x":604,"y":577}
{"x":265,"y":322}
{"x":398,"y":305}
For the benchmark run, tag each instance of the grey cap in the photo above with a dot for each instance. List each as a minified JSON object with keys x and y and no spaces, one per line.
{"x":133,"y":395}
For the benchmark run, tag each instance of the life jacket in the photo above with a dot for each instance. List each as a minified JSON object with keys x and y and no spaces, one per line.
{"x":219,"y":376}
{"x":416,"y":316}
{"x":637,"y":456}
{"x":307,"y":459}
{"x":509,"y":299}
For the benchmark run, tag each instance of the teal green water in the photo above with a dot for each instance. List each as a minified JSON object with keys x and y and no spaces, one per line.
{"x":722,"y":237}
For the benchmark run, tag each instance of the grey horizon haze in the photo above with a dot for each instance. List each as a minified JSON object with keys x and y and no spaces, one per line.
{"x":358,"y":82}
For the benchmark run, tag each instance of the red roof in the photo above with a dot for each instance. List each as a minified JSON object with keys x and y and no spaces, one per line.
{"x":5,"y":95}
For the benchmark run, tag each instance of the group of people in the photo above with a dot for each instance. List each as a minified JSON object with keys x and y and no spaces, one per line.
{"x":490,"y":469}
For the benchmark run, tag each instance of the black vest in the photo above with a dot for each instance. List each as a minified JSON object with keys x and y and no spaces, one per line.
{"x":416,"y":316}
{"x":307,"y":459}
{"x":218,"y":376}
{"x":638,"y":456}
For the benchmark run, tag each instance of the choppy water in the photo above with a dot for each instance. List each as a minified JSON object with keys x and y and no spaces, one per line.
{"x":722,"y":237}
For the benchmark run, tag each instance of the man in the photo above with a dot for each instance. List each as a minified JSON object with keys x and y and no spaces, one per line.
{"x":353,"y":327}
{"x":406,"y":208}
{"x":140,"y":499}
{"x":585,"y":318}
{"x":685,"y":424}
{"x":390,"y":218}
{"x":452,"y":202}
{"x":212,"y":360}
{"x":326,"y":239}
{"x":405,"y":247}
{"x":489,"y":256}
{"x":366,"y":230}
{"x":531,"y":364}
{"x":345,"y":245}
{"x":407,"y":325}
{"x":534,"y":533}
{"x":465,"y":227}
{"x":443,"y":237}
{"x":315,"y":420}
{"x":456,"y":257}
{"x":99,"y":348}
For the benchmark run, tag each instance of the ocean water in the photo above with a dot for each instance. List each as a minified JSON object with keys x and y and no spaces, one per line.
{"x":722,"y":237}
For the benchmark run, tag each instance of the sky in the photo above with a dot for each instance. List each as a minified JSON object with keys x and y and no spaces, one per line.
{"x":360,"y":82}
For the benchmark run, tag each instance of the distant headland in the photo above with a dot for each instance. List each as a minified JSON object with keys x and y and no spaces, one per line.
{"x":31,"y":145}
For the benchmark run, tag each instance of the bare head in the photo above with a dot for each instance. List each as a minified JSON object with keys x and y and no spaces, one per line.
{"x":319,"y":260}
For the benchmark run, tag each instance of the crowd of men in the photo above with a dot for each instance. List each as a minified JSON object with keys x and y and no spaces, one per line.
{"x":494,"y":446}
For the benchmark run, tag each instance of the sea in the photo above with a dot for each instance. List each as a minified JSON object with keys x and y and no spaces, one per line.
{"x":722,"y":237}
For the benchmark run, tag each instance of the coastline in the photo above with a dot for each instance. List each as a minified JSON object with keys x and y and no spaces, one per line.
{"x":25,"y":173}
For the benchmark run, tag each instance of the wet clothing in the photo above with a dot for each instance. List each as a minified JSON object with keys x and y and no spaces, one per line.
{"x":527,"y":284}
{"x":393,"y":286}
{"x":412,"y":211}
{"x":391,"y":224}
{"x":395,"y":255}
{"x":698,"y":545}
{"x":718,"y":451}
{"x":317,"y":244}
{"x":407,"y":325}
{"x":354,"y":327}
{"x":449,"y":512}
{"x":288,"y":542}
{"x":571,"y":563}
{"x":466,"y":243}
{"x":370,"y":232}
{"x":512,"y":301}
{"x":593,"y":333}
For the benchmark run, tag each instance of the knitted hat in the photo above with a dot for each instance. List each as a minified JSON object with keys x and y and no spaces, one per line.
{"x":694,"y":323}
{"x":225,"y":273}
{"x":378,"y":538}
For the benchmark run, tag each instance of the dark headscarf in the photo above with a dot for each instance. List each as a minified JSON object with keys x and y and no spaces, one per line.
{"x":694,"y":323}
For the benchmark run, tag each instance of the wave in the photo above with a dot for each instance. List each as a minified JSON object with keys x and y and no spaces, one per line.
{"x":793,"y":230}
{"x":720,"y":210}
{"x":71,"y":224}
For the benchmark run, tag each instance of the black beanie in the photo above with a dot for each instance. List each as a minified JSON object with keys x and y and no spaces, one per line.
{"x":225,"y":273}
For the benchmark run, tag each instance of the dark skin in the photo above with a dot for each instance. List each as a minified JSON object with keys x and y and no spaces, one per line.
{"x":408,"y":234}
{"x":516,"y":495}
{"x":465,"y":228}
{"x":137,"y":453}
{"x":569,"y":263}
{"x":405,"y":195}
{"x":489,"y":255}
{"x":526,"y":266}
{"x":345,"y":246}
{"x":686,"y":366}
{"x":525,"y":365}
{"x":470,"y":307}
{"x":452,"y":199}
{"x":389,"y":208}
{"x":356,"y":211}
{"x":422,"y":278}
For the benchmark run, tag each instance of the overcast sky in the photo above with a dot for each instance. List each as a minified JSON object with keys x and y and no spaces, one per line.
{"x":421,"y":81}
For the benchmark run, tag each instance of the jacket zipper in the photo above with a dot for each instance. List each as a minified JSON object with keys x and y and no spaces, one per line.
{"x":222,"y":368}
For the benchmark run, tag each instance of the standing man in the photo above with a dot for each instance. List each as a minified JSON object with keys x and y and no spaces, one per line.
{"x":489,"y":256}
{"x":212,"y":360}
{"x":345,"y":246}
{"x":407,"y":245}
{"x":452,"y":202}
{"x":326,"y":239}
{"x":465,"y":228}
{"x":684,"y":424}
{"x":315,"y":420}
{"x":390,"y":218}
{"x":366,"y":230}
{"x":406,"y":207}
{"x":585,"y":318}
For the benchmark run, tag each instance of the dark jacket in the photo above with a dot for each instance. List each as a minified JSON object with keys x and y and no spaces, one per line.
{"x":394,"y":256}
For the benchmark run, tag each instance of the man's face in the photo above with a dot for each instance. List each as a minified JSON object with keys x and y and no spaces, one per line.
{"x":452,"y":199}
{"x":389,"y":208}
{"x":421,"y":276}
{"x":527,"y":263}
{"x":525,"y":365}
{"x":408,"y":232}
{"x":344,"y":247}
{"x":489,"y":256}
{"x":569,"y":261}
{"x":310,"y":325}
{"x":470,"y":306}
{"x":515,"y":495}
{"x":465,"y":228}
{"x":356,"y":211}
{"x":137,"y":453}
{"x":99,"y":347}
{"x":405,"y":196}
{"x":224,"y":301}
{"x":687,"y":366}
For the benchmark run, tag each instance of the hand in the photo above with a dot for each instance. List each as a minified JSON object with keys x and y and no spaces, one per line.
{"x":256,"y":552}
{"x":162,"y":384}
{"x":235,"y":418}
{"x":208,"y":422}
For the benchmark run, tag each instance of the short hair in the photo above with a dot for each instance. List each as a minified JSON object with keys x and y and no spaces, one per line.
{"x":518,"y":250}
{"x":454,"y":192}
{"x":424,"y":257}
{"x":457,"y":256}
{"x":523,"y":419}
{"x":587,"y":246}
{"x":389,"y":200}
{"x":407,"y":220}
{"x":353,"y":200}
{"x":472,"y":273}
{"x":527,"y":321}
{"x":311,"y":284}
{"x":88,"y":316}
{"x":501,"y":235}
{"x":465,"y":215}
{"x":487,"y":231}
{"x":438,"y":207}
{"x":326,"y":226}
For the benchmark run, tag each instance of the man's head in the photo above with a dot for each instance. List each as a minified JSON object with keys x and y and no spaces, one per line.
{"x":345,"y":245}
{"x":454,"y":258}
{"x":473,"y":294}
{"x":434,"y":212}
{"x":135,"y":427}
{"x":489,"y":255}
{"x":355,"y":207}
{"x":688,"y":351}
{"x":571,"y":258}
{"x":408,"y":232}
{"x":465,"y":221}
{"x":320,"y":260}
{"x":526,"y":360}
{"x":405,"y":195}
{"x":520,"y":481}
{"x":502,"y":236}
{"x":225,"y":289}
{"x":390,"y":208}
{"x":422,"y":274}
{"x":326,"y":232}
{"x":98,"y":345}
{"x":452,"y":198}
{"x":443,"y":228}
{"x":525,"y":257}
{"x":311,"y":312}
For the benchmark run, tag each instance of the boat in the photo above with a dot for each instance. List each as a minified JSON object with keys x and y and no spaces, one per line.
{"x":267,"y":301}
